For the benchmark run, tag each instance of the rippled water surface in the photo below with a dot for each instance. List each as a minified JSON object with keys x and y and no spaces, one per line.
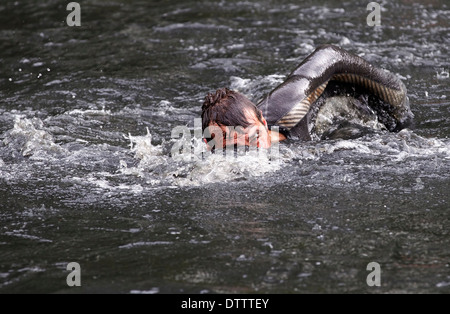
{"x":87,"y":175}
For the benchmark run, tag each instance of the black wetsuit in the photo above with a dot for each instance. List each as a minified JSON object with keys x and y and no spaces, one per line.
{"x":330,"y":71}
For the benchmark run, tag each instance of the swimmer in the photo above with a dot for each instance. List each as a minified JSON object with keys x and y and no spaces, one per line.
{"x":230,"y":118}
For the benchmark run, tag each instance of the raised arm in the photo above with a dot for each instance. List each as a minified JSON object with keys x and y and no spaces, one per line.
{"x":289,"y":103}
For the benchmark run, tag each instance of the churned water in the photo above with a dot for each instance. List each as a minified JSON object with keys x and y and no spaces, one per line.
{"x":87,"y":172}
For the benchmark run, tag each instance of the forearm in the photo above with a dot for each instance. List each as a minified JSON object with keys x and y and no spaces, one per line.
{"x":290,"y":101}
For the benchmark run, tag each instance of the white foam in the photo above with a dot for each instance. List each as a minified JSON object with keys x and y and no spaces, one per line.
{"x":160,"y":168}
{"x":187,"y":26}
{"x":442,"y":284}
{"x":156,"y":168}
{"x":348,"y":145}
{"x":142,"y":243}
{"x":248,"y":86}
{"x":345,"y":41}
{"x":101,"y":112}
{"x":144,"y":150}
{"x":56,"y":82}
{"x":29,"y":136}
{"x":305,"y":48}
{"x":152,"y":291}
{"x":193,"y":170}
{"x":4,"y":275}
{"x":34,"y":269}
{"x":238,"y":83}
{"x":27,"y":236}
{"x":219,"y":168}
{"x":165,"y":107}
{"x":442,"y":75}
{"x":398,"y":147}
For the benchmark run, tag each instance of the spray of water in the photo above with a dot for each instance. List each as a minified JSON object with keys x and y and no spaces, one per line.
{"x":193,"y":169}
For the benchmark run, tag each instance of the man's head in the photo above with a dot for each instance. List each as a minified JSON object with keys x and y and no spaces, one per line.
{"x":230,"y":118}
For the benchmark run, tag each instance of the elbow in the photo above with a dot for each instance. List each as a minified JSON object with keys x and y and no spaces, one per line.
{"x":329,"y":48}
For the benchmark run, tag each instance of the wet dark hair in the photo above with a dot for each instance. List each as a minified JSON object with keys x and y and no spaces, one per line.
{"x":227,"y":108}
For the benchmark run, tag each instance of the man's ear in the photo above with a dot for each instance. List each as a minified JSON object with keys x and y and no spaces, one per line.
{"x":263,"y":119}
{"x":265,"y":122}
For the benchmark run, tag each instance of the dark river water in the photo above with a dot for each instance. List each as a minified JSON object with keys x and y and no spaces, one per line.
{"x":87,"y":175}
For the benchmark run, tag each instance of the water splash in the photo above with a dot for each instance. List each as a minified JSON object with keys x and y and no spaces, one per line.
{"x":146,"y":165}
{"x":157,"y":166}
{"x":30,"y":138}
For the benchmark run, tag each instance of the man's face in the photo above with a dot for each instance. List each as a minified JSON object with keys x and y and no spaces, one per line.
{"x":256,"y":134}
